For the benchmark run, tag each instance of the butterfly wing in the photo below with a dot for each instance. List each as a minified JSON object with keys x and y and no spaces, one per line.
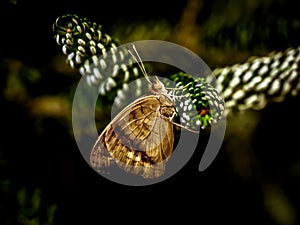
{"x":139,"y":139}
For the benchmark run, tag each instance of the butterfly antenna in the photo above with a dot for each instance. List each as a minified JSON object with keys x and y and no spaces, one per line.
{"x":139,"y":62}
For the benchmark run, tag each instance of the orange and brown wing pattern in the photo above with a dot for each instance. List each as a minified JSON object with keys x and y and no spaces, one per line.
{"x":139,"y":139}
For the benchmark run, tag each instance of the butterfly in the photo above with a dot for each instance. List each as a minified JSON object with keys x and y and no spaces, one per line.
{"x":140,"y":139}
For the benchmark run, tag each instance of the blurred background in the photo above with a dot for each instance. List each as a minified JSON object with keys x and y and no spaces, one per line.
{"x":45,"y":180}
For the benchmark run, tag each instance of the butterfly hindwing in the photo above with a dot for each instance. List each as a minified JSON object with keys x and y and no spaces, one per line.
{"x":139,"y":139}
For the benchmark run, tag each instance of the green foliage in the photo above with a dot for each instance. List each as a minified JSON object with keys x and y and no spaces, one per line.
{"x":30,"y":207}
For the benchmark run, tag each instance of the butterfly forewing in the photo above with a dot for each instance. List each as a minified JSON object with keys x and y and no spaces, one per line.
{"x":139,"y":139}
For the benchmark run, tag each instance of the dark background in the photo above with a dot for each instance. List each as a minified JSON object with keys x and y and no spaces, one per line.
{"x":45,"y":180}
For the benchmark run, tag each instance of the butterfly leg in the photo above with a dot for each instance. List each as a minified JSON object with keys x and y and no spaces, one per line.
{"x":172,"y":117}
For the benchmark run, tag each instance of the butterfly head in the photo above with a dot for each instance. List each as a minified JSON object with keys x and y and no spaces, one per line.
{"x":157,"y":87}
